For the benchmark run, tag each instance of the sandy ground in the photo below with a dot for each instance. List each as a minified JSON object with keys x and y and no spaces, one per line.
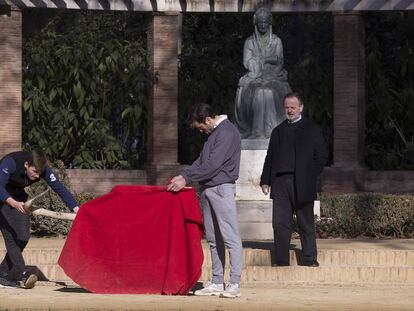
{"x":259,"y":296}
{"x":254,"y":297}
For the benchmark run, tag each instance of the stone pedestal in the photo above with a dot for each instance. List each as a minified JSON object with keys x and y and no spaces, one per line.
{"x":251,"y":164}
{"x":254,"y":208}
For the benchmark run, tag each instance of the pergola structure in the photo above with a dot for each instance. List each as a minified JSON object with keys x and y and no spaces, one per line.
{"x":346,"y":174}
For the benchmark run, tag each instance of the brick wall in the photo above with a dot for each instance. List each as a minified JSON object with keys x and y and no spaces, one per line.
{"x":389,"y":181}
{"x":10,"y":79}
{"x":163,"y":40}
{"x":334,"y":180}
{"x":349,"y":89}
{"x":163,"y":111}
{"x":102,"y":181}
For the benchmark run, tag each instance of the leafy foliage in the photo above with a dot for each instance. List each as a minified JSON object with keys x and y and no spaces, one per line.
{"x":86,"y":81}
{"x":390,"y":91}
{"x":85,"y":85}
{"x":367,"y":215}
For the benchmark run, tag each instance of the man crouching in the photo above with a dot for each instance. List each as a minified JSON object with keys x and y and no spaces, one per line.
{"x":19,"y":170}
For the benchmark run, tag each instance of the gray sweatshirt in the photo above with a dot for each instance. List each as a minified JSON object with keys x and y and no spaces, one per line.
{"x":219,"y":161}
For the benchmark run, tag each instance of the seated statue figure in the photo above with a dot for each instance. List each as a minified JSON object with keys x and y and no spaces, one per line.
{"x":259,"y":100}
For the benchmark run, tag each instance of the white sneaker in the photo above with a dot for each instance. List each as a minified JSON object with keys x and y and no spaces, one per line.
{"x":232,"y":291}
{"x":211,"y":289}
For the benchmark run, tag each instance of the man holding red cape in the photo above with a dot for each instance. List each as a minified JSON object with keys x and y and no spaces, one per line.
{"x":217,"y":169}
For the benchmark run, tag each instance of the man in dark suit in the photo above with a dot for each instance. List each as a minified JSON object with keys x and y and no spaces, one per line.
{"x":295,"y":157}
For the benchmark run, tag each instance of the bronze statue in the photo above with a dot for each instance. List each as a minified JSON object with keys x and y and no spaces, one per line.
{"x":259,"y":100}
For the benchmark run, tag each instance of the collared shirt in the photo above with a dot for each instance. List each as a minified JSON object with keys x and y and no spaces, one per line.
{"x":220,"y":119}
{"x":297,"y":120}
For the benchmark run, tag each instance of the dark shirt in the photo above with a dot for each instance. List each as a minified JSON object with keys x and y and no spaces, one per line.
{"x":286,"y":163}
{"x":13,"y":179}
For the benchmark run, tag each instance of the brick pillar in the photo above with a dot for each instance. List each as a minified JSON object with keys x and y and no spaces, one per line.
{"x":163,"y":37}
{"x":10,"y":79}
{"x":349,"y":104}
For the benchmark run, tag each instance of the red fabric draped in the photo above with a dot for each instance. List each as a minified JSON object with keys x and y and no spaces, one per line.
{"x":136,"y":239}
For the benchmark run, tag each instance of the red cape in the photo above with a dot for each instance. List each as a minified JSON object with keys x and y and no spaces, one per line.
{"x":136,"y":239}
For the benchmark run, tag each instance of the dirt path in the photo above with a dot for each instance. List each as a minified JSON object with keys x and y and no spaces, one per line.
{"x":254,"y":297}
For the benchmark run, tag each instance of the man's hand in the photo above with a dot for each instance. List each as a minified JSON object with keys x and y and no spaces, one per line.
{"x":16,"y":204}
{"x":265,"y":189}
{"x":76,"y":209}
{"x":176,"y":184}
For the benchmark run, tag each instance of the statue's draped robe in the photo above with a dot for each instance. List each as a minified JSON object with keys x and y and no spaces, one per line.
{"x":259,"y":101}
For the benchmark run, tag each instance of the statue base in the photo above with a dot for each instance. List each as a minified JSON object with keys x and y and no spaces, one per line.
{"x":253,"y":154}
{"x":254,"y":208}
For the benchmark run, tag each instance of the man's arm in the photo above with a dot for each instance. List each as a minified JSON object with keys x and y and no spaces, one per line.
{"x":52,"y":180}
{"x":320,"y":153}
{"x":7,"y":167}
{"x":265,"y":178}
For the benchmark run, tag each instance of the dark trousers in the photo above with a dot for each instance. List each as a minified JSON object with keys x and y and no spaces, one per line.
{"x":284,"y":205}
{"x":15,"y":228}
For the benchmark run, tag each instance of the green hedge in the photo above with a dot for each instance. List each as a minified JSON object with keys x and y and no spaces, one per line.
{"x":367,"y":215}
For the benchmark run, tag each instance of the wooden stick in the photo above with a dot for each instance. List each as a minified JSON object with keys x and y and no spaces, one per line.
{"x":28,"y":204}
{"x":53,"y":214}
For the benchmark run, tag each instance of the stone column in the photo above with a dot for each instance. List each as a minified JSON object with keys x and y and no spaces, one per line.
{"x":163,"y":38}
{"x":10,"y":79}
{"x":349,"y":103}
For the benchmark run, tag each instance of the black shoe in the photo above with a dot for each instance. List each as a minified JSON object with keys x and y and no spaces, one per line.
{"x":4,"y":282}
{"x":280,"y":264}
{"x":313,"y":264}
{"x":28,"y":280}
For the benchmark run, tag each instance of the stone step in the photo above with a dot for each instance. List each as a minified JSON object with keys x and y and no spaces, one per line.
{"x":262,"y":257}
{"x":250,"y":231}
{"x":34,"y":256}
{"x":337,"y":274}
{"x":255,"y":219}
{"x":255,"y":211}
{"x":293,"y":274}
{"x":389,"y":258}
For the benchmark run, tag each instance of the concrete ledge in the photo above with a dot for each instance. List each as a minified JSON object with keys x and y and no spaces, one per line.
{"x":333,"y":180}
{"x":345,"y":275}
{"x":262,"y":256}
{"x":342,"y":261}
{"x":348,"y":180}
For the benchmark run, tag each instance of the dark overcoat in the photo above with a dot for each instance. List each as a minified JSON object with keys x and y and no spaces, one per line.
{"x":311,"y":155}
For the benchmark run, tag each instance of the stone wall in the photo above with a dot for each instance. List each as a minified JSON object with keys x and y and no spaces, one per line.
{"x":102,"y":181}
{"x":389,"y":181}
{"x":362,"y":180}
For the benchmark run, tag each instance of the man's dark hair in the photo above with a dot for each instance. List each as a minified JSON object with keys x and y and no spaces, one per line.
{"x":38,"y":159}
{"x":201,"y":111}
{"x":293,"y":95}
